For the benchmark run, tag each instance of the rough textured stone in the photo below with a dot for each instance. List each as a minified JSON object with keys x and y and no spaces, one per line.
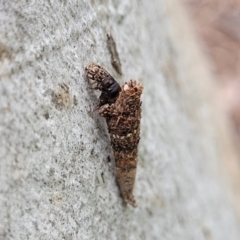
{"x":56,"y":179}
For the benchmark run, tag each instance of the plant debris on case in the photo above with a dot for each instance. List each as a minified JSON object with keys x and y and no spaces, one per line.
{"x":121,"y":107}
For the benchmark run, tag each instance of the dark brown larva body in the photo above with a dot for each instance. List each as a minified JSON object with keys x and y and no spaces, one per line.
{"x":123,"y":119}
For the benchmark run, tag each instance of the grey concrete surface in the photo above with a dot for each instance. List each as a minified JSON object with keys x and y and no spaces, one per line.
{"x":57,"y":178}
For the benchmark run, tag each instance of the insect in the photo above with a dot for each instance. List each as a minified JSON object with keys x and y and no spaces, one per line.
{"x":121,"y":107}
{"x":104,"y":82}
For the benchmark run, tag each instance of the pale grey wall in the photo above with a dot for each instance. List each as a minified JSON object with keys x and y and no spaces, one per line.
{"x":56,"y":180}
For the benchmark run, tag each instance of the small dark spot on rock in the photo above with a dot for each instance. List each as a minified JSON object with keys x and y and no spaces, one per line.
{"x":4,"y":52}
{"x":102,"y":176}
{"x":46,"y":115}
{"x":149,"y":211}
{"x":75,"y":101}
{"x":51,"y":171}
{"x":207,"y":233}
{"x":62,"y":97}
{"x":108,"y":158}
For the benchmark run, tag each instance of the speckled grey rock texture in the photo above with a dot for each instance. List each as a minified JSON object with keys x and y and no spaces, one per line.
{"x":57,"y":178}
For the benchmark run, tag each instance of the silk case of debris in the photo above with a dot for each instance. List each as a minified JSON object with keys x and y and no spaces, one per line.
{"x":121,"y":107}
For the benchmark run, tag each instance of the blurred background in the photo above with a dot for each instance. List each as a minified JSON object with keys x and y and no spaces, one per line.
{"x":217,"y":23}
